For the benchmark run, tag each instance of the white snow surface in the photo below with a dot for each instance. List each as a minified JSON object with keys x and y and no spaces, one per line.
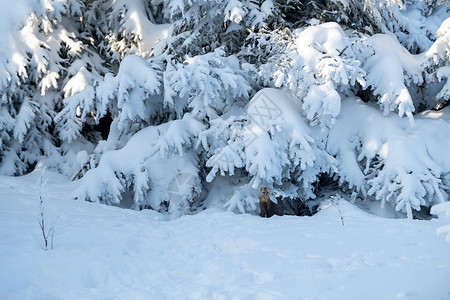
{"x":104,"y":252}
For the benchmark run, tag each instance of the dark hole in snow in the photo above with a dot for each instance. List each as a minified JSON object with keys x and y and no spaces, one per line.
{"x":104,"y":125}
{"x":127,"y":200}
{"x":423,"y":214}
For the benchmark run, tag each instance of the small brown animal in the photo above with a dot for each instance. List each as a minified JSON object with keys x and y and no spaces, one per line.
{"x":268,"y":207}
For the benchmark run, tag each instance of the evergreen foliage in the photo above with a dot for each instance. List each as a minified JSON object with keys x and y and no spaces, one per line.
{"x":127,"y":95}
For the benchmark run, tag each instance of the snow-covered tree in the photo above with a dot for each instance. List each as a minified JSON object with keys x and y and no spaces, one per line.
{"x":273,"y":144}
{"x":317,"y":64}
{"x":44,"y":52}
{"x":148,"y":102}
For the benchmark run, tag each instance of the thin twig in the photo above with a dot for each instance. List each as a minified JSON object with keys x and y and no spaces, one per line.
{"x":335,"y":201}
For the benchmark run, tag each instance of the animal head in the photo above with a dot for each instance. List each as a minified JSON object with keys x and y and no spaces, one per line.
{"x":264,"y":192}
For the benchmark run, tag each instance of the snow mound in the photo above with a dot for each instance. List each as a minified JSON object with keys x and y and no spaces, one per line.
{"x":442,"y":210}
{"x":133,"y":174}
{"x":340,"y":209}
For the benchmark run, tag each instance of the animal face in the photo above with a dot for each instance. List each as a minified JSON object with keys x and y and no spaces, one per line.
{"x":264,"y":192}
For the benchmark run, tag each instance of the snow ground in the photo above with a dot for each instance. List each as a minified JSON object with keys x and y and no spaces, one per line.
{"x":104,"y":252}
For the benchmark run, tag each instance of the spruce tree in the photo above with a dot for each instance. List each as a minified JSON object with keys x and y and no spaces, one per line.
{"x":153,"y":102}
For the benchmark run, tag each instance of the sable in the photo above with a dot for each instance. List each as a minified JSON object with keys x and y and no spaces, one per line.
{"x":268,"y":207}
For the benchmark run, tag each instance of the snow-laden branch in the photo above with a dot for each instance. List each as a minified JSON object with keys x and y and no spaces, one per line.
{"x":385,"y":157}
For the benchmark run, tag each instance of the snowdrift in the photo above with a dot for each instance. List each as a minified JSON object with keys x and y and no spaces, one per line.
{"x":104,"y":252}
